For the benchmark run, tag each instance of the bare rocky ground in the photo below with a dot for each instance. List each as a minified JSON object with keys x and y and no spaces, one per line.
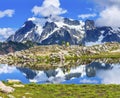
{"x":40,"y":55}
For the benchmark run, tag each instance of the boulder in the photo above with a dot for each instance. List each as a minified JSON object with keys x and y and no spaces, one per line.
{"x":18,"y":85}
{"x":5,"y":89}
{"x":13,"y":81}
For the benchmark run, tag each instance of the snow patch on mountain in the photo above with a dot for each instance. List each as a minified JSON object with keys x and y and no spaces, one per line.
{"x":61,"y":24}
{"x":101,"y":37}
{"x":27,"y":34}
{"x":39,"y":22}
{"x":117,"y":31}
{"x":45,"y":37}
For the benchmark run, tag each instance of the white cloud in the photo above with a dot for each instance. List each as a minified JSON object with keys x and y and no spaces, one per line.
{"x":110,"y":76}
{"x":109,"y":17}
{"x":49,"y":8}
{"x":6,"y":69}
{"x":8,"y":13}
{"x":108,"y":3}
{"x":5,"y":33}
{"x":109,"y":13}
{"x":84,"y":16}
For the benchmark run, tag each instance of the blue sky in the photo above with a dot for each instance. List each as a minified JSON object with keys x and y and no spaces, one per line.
{"x":13,"y":13}
{"x":23,"y":9}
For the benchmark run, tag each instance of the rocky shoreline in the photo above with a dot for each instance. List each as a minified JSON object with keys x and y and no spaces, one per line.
{"x":40,"y":55}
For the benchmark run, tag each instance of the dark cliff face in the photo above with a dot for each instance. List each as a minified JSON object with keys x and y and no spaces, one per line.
{"x":27,"y":27}
{"x":89,"y":25}
{"x":20,"y":34}
{"x":47,"y":29}
{"x":71,"y":22}
{"x":58,"y":37}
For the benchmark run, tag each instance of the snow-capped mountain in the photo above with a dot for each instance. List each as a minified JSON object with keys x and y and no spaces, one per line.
{"x":51,"y":30}
{"x":99,"y":35}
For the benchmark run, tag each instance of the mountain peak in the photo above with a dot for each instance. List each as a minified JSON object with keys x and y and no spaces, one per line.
{"x":55,"y":30}
{"x":42,"y":29}
{"x":89,"y":25}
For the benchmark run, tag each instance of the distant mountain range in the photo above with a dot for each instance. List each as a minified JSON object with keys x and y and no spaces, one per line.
{"x":56,"y":31}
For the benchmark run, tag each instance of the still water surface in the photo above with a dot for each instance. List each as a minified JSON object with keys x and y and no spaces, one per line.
{"x":93,"y":73}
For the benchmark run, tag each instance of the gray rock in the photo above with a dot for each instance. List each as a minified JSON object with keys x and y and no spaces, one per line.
{"x":6,"y":89}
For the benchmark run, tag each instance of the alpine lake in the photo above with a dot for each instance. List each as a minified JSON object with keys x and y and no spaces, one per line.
{"x":105,"y":71}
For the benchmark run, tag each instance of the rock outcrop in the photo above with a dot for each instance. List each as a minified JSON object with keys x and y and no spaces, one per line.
{"x":5,"y":89}
{"x":56,"y":53}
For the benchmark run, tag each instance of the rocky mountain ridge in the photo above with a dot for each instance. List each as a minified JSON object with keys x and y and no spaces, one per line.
{"x":47,"y":31}
{"x":99,"y":35}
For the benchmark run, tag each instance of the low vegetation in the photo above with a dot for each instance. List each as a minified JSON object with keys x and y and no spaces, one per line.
{"x":64,"y":91}
{"x":7,"y":47}
{"x":95,"y":56}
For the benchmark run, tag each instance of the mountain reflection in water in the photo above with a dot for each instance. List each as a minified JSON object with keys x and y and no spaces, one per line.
{"x":93,"y":73}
